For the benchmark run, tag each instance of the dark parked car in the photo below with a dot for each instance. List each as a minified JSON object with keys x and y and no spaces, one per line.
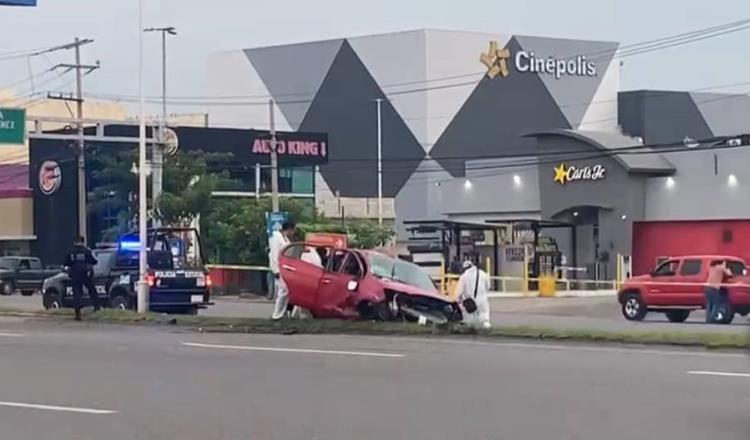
{"x":23,"y":274}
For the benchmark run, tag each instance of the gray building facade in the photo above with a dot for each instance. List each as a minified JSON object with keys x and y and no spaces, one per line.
{"x":482,"y":127}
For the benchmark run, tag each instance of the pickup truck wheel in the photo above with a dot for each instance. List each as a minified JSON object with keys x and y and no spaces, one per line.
{"x":119,"y":302}
{"x":7,"y":288}
{"x":677,"y":315}
{"x":725,"y":315}
{"x":51,"y":300}
{"x":633,"y":308}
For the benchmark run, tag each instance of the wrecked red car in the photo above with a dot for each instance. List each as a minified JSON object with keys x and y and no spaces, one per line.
{"x":354,"y":284}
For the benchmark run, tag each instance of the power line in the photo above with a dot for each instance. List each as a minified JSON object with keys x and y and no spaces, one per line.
{"x":620,"y":52}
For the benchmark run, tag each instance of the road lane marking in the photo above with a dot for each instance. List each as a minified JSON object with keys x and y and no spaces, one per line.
{"x":11,"y":335}
{"x":570,"y":346}
{"x":58,"y":408}
{"x":293,"y":350}
{"x":719,"y":374}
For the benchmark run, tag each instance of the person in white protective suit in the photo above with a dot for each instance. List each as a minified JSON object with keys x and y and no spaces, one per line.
{"x":475,"y":283}
{"x":276,"y":244}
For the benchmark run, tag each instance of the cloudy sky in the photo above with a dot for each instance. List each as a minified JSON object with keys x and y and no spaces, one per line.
{"x":206,"y":27}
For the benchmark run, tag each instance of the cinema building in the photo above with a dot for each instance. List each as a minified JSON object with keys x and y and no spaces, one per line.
{"x":506,"y":130}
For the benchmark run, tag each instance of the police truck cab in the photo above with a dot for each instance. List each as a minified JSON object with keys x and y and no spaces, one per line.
{"x":177,"y":277}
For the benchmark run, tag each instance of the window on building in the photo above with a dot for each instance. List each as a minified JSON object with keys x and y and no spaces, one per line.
{"x":691,"y":267}
{"x":297,"y":180}
{"x":303,"y":181}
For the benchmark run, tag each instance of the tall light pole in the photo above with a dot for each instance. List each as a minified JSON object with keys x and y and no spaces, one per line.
{"x":274,"y":158}
{"x":157,"y":160}
{"x":142,"y":285}
{"x":380,"y":161}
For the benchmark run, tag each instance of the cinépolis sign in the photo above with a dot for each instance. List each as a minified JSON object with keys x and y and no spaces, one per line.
{"x":496,"y":59}
{"x":565,"y":174}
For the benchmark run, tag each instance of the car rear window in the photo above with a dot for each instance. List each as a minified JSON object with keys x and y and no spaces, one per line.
{"x":691,"y":267}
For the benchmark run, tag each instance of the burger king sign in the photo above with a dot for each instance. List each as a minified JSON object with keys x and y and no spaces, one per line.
{"x":50,"y":177}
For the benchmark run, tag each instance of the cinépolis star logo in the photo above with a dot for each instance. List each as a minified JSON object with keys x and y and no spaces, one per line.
{"x":496,"y":60}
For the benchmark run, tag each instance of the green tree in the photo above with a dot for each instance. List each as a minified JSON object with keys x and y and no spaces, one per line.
{"x":234,"y":232}
{"x":188,"y":186}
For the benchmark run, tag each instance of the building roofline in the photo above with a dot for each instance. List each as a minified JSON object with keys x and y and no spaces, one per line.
{"x":412,"y":31}
{"x":656,"y":171}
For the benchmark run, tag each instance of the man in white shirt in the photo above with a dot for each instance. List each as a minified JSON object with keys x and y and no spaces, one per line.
{"x":278,"y":241}
{"x":475,"y":284}
{"x":310,"y":255}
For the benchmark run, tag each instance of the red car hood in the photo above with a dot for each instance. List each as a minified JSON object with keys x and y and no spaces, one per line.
{"x":412,"y":290}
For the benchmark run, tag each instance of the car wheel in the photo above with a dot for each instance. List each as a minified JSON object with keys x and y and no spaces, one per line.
{"x":51,"y":300}
{"x":677,"y":315}
{"x":27,"y":292}
{"x":119,"y":302}
{"x":633,"y":308}
{"x":725,"y":315}
{"x":7,"y":288}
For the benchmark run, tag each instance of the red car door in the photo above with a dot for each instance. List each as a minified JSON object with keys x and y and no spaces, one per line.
{"x":688,"y":286}
{"x":660,"y":287}
{"x":301,"y":278}
{"x":334,"y":299}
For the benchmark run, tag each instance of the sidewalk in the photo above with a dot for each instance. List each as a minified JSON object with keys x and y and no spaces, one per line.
{"x":559,"y":294}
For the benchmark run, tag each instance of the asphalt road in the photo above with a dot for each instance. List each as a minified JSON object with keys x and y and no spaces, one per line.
{"x":77,"y":381}
{"x":579,"y":313}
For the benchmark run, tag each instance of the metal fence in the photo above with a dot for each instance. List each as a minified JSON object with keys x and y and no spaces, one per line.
{"x":256,"y":280}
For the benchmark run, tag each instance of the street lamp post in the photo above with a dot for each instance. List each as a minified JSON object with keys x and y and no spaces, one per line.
{"x":380,"y":161}
{"x":157,"y":160}
{"x":142,"y":285}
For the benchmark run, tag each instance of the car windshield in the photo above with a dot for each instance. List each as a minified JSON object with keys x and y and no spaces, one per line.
{"x":402,"y":271}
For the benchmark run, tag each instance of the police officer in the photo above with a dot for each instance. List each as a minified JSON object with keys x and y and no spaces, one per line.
{"x":80,"y":264}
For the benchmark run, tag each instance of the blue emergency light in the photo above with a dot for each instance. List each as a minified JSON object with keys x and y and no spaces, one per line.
{"x":129,"y":245}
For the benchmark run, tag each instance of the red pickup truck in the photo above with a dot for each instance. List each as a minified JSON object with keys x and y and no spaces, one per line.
{"x":675,"y":288}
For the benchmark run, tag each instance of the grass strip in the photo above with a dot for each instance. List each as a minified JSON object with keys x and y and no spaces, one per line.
{"x":712,"y":340}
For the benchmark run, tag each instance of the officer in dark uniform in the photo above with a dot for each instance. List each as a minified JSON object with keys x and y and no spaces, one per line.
{"x":80,"y":264}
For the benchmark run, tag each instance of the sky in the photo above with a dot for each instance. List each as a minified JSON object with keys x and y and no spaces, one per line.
{"x":206,"y":27}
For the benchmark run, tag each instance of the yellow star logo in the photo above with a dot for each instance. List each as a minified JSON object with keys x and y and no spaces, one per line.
{"x":496,"y":60}
{"x":561,"y":174}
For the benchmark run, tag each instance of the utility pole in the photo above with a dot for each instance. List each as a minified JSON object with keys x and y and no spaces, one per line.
{"x":274,"y":161}
{"x":380,"y":161}
{"x":157,"y":159}
{"x":142,"y":287}
{"x":81,"y":70}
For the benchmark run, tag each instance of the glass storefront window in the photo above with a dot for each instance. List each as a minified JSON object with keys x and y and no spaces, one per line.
{"x":303,"y":181}
{"x":299,"y":180}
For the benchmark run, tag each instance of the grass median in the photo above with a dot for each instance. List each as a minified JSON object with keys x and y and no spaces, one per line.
{"x":712,"y":340}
